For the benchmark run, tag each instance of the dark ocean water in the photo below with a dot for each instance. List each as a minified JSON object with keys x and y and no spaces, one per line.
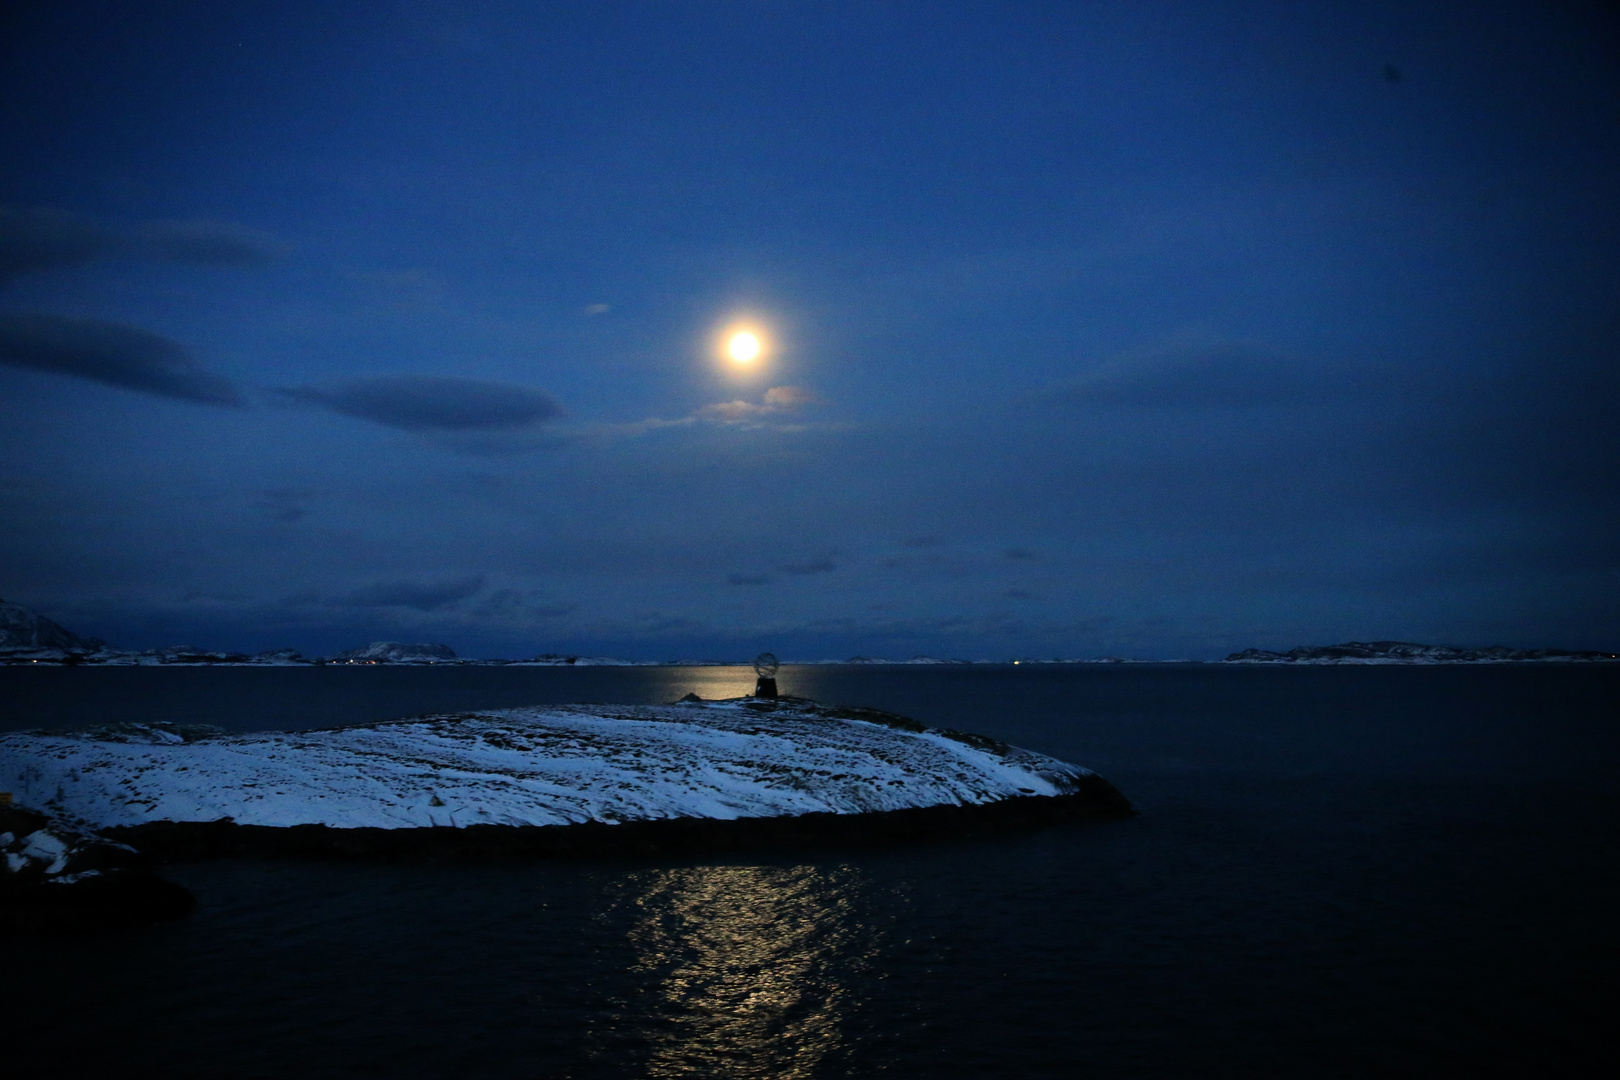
{"x":1336,"y":872}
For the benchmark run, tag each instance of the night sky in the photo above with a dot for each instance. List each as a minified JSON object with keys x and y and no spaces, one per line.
{"x":1138,"y":328}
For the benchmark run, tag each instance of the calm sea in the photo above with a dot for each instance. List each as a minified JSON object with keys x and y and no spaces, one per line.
{"x":1336,"y":872}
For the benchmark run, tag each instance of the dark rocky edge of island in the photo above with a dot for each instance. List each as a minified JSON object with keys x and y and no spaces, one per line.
{"x":561,"y":782}
{"x":184,"y":841}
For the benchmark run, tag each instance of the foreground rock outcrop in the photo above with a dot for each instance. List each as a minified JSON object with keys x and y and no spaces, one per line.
{"x":56,"y":876}
{"x":573,"y":780}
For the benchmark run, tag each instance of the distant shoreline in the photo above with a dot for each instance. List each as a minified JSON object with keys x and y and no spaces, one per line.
{"x":28,"y":638}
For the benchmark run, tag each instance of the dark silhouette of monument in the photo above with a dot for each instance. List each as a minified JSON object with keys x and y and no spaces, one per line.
{"x":765,"y":667}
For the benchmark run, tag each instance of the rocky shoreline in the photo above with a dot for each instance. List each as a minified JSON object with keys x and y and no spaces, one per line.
{"x":110,"y":881}
{"x":186,"y":841}
{"x":58,"y":877}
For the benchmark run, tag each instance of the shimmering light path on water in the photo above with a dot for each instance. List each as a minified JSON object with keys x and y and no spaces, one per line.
{"x":1336,"y":872}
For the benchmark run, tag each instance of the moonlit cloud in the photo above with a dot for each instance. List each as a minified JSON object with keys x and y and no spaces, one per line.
{"x":779,"y":401}
{"x":733,"y":412}
{"x":107,"y":352}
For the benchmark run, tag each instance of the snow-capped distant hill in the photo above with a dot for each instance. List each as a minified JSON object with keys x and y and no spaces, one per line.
{"x":23,"y":629}
{"x":396,"y":652}
{"x":1407,"y":652}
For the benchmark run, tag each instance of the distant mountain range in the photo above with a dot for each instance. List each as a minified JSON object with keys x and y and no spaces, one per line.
{"x":1407,"y":652}
{"x":27,"y":637}
{"x":396,"y":652}
{"x":24,"y":629}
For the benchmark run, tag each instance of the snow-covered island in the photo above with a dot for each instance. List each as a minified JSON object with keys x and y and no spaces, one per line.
{"x":570,"y":779}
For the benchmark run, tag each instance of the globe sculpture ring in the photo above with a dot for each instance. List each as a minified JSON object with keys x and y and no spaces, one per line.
{"x":765,"y":665}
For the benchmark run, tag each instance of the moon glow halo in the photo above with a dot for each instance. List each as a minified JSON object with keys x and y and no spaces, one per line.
{"x":743,"y":346}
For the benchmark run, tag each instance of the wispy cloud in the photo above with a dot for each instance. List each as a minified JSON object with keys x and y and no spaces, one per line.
{"x":810,"y":566}
{"x":520,"y":606}
{"x":201,"y":242}
{"x":285,"y":505}
{"x":779,"y":401}
{"x":111,"y":353}
{"x":1197,"y":372}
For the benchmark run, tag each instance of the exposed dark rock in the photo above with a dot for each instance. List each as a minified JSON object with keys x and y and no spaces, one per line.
{"x":56,"y":877}
{"x":1097,"y":800}
{"x":191,"y":654}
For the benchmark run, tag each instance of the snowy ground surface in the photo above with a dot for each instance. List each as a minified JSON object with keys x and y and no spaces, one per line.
{"x":539,"y":766}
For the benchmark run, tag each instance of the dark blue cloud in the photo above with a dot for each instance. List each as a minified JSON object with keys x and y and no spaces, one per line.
{"x":422,"y":596}
{"x":203,"y":243}
{"x":810,"y":566}
{"x":35,"y":239}
{"x":111,"y":353}
{"x":285,"y":505}
{"x":1222,"y":376}
{"x":428,"y":404}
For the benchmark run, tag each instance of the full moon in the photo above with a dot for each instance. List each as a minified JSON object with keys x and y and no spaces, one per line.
{"x":743,"y":347}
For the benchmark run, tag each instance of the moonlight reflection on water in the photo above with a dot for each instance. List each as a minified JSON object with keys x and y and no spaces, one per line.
{"x":744,"y":967}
